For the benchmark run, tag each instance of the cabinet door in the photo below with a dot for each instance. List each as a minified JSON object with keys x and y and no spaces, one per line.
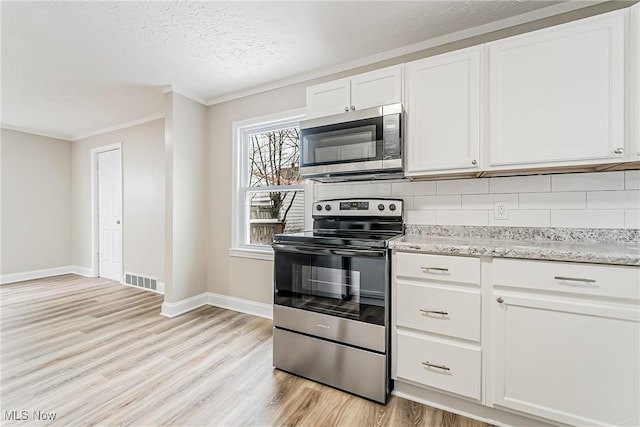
{"x":328,"y":98}
{"x":556,"y":95}
{"x":634,"y":84}
{"x":379,"y":87}
{"x":443,"y":112}
{"x":572,"y":362}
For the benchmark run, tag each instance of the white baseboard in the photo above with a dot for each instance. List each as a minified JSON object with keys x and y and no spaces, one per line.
{"x":35,"y":274}
{"x":82,"y":271}
{"x":173,"y":309}
{"x":242,"y":305}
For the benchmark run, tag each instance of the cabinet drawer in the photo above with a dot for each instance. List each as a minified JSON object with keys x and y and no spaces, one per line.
{"x":460,"y":366}
{"x":438,"y":267}
{"x":575,"y":278}
{"x":454,"y":312}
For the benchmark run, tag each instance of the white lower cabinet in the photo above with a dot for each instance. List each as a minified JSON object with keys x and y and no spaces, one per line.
{"x":542,"y":341}
{"x":564,"y":355}
{"x":437,"y":323}
{"x":445,"y":365}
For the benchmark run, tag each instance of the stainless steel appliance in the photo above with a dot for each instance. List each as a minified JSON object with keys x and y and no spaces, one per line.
{"x":331,"y":297}
{"x":361,"y":144}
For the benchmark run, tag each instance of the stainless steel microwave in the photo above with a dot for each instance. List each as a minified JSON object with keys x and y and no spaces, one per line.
{"x":358,"y":145}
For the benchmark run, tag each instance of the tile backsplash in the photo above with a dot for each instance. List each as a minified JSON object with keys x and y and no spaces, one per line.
{"x":575,"y":200}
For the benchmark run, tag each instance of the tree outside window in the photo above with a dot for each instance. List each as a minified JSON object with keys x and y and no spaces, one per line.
{"x":275,"y":199}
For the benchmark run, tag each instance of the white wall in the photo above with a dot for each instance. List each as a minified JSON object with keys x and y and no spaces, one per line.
{"x":577,"y":200}
{"x":186,"y":199}
{"x":36,"y":202}
{"x":143,"y":197}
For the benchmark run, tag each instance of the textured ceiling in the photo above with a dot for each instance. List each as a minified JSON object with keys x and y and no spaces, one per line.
{"x":71,"y":68}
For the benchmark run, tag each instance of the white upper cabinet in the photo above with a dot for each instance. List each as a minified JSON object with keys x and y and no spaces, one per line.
{"x":556,"y":95}
{"x":372,"y":89}
{"x":329,"y":98}
{"x":443,"y":112}
{"x":379,"y":87}
{"x":634,"y":83}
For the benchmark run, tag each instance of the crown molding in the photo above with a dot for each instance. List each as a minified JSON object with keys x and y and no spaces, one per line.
{"x":534,"y":15}
{"x":185,"y":93}
{"x":35,"y":132}
{"x":119,"y":126}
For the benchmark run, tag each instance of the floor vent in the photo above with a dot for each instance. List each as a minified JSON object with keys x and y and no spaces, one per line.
{"x":141,"y":281}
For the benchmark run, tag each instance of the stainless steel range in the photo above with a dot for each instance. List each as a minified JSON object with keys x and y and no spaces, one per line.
{"x":331,"y":301}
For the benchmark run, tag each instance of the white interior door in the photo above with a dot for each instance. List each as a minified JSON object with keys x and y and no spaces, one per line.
{"x":109,"y":215}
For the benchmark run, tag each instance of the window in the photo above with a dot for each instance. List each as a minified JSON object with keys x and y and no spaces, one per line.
{"x":269,"y":191}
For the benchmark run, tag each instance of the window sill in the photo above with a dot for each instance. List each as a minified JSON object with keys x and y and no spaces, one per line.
{"x":261,"y":254}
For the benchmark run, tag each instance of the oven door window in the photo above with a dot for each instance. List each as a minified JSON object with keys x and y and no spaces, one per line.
{"x":348,"y":286}
{"x":342,"y":143}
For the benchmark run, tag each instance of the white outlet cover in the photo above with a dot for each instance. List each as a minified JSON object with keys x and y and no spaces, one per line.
{"x":500,"y":210}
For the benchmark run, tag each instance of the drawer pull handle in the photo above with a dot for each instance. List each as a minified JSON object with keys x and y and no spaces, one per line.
{"x":500,"y":300}
{"x":431,"y":365}
{"x":575,"y":279}
{"x":434,"y":269}
{"x":425,"y":311}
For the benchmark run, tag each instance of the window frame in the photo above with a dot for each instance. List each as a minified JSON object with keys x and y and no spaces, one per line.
{"x":239,"y":211}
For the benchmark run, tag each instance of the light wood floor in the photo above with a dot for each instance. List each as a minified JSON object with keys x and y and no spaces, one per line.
{"x":95,"y":352}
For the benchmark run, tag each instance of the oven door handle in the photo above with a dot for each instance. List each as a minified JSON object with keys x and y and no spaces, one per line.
{"x":319,"y":250}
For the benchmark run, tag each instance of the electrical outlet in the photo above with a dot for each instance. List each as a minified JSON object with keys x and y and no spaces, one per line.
{"x":500,"y":210}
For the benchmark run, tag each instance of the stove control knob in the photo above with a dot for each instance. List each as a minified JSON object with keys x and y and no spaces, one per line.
{"x":327,"y":207}
{"x":380,"y":207}
{"x":318,"y":207}
{"x":392,"y":206}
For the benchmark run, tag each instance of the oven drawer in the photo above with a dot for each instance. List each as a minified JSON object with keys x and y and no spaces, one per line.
{"x":454,"y":312}
{"x":438,"y":267}
{"x":348,"y":368}
{"x":436,"y":364}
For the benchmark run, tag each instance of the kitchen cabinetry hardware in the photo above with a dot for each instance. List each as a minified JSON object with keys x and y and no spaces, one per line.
{"x":431,"y":365}
{"x":500,"y":300}
{"x":438,"y":269}
{"x":619,"y":150}
{"x":474,"y":162}
{"x":425,"y":311}
{"x":353,"y":108}
{"x":346,"y":109}
{"x":575,"y":279}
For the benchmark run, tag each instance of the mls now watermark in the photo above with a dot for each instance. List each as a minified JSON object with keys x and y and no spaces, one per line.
{"x":22,"y":415}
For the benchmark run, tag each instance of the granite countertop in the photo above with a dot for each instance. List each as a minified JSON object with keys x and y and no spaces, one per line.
{"x":619,"y":248}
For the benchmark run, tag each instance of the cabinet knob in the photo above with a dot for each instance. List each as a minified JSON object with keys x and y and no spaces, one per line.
{"x":474,"y":162}
{"x":353,"y":108}
{"x":619,"y":150}
{"x":346,"y":108}
{"x":500,"y":300}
